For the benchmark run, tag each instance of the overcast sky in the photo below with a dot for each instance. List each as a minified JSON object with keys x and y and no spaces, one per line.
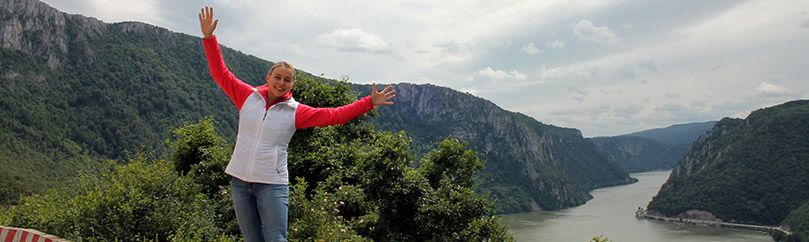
{"x":604,"y":67}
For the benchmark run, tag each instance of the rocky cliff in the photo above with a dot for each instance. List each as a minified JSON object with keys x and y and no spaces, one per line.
{"x":530,"y":165}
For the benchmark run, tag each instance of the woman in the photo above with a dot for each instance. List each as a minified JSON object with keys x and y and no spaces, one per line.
{"x":268,"y":117}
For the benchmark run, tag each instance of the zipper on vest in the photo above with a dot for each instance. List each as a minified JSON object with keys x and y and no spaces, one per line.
{"x":255,"y":144}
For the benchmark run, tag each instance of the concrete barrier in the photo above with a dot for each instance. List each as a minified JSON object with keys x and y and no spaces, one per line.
{"x":11,"y":234}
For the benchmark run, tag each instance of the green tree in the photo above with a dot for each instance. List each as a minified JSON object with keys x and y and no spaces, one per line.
{"x":142,"y":200}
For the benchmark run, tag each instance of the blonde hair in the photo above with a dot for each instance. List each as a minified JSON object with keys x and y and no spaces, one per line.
{"x":282,"y":64}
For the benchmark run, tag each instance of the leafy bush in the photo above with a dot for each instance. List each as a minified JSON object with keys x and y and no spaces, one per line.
{"x":143,"y":199}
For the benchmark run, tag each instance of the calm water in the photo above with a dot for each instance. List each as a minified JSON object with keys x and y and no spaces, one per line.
{"x":611,"y":213}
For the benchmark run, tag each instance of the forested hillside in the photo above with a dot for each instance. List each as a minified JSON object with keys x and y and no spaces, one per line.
{"x":529,"y":165}
{"x":749,"y":170}
{"x":76,"y":91}
{"x":638,"y":154}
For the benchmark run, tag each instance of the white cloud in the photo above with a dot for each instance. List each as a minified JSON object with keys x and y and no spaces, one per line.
{"x":568,"y":72}
{"x":499,"y":75}
{"x":234,"y":3}
{"x":770,"y":89}
{"x":805,"y":23}
{"x":589,"y":32}
{"x":556,"y":44}
{"x":354,"y":40}
{"x":530,"y":49}
{"x":470,"y":90}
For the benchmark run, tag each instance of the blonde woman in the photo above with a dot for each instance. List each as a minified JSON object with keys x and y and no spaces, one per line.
{"x":268,"y":117}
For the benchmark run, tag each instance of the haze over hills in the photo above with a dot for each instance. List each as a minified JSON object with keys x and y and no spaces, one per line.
{"x":654,"y":149}
{"x":638,"y":154}
{"x":676,"y":134}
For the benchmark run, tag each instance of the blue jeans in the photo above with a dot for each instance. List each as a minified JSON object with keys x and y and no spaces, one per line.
{"x":261,"y":210}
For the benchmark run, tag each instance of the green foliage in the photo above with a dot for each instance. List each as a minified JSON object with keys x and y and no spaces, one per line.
{"x":120,"y":88}
{"x":201,"y":154}
{"x":530,"y":165}
{"x":319,"y":217}
{"x":366,"y":189}
{"x":198,"y":150}
{"x":748,"y":171}
{"x":452,"y":161}
{"x":600,"y":238}
{"x":383,"y":198}
{"x":143,"y":199}
{"x":798,"y":222}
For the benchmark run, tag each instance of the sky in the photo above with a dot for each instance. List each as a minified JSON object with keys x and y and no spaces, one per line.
{"x":606,"y":67}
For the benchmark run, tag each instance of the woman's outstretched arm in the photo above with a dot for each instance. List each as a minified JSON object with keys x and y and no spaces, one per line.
{"x":307,"y":116}
{"x":236,"y":89}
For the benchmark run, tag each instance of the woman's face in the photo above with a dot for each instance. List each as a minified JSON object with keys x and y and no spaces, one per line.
{"x":279,"y":82}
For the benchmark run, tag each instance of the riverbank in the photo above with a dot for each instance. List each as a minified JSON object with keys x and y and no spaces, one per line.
{"x":644,"y":214}
{"x":611,"y":213}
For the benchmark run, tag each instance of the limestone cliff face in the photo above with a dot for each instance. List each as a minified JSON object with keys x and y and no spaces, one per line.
{"x":35,"y":28}
{"x":528,"y":162}
{"x":750,"y":170}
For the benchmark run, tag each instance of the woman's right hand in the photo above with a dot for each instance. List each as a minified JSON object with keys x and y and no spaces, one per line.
{"x":206,"y":22}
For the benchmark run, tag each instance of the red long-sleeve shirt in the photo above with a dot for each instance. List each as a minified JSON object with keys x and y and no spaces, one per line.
{"x":305,"y":116}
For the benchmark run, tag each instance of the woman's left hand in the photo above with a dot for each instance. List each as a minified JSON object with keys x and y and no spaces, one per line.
{"x":384,"y":97}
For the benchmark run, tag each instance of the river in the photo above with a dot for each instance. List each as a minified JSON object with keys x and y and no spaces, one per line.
{"x":611,"y":213}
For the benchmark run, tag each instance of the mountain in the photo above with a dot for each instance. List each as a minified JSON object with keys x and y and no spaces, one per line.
{"x":638,"y":154}
{"x":530,"y":165}
{"x":676,"y":134}
{"x":76,"y":91}
{"x":749,"y":170}
{"x":654,"y":149}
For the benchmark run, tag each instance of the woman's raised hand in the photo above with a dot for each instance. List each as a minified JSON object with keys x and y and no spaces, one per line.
{"x":384,"y":97}
{"x":206,"y":22}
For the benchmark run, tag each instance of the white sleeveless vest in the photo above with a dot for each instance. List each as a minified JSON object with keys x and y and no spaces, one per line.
{"x":260,"y":154}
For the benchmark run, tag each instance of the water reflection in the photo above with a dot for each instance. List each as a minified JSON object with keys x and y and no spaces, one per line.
{"x":611,"y":213}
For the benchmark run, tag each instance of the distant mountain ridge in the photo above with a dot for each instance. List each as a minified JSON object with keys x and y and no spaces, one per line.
{"x":654,"y":149}
{"x":676,"y":134}
{"x":638,"y":154}
{"x":530,"y":165}
{"x":751,"y":170}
